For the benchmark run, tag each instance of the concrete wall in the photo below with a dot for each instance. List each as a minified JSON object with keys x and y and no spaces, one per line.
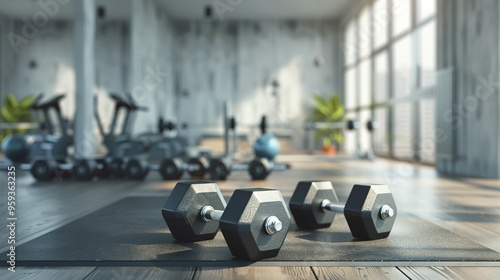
{"x":468,"y":42}
{"x":45,"y":62}
{"x":185,"y":69}
{"x":151,"y":64}
{"x":238,"y":61}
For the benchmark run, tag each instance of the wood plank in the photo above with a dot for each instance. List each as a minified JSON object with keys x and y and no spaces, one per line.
{"x":358,"y":273}
{"x":120,"y":273}
{"x":254,"y":272}
{"x":436,"y":273}
{"x":48,"y":273}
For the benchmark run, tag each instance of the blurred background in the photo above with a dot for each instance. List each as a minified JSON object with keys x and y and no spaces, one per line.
{"x":418,"y":77}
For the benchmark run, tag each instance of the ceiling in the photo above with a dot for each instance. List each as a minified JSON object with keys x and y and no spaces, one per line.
{"x":194,"y":9}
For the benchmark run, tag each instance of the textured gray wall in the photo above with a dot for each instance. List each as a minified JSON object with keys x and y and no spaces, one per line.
{"x":151,"y":64}
{"x":468,"y":42}
{"x":185,"y":69}
{"x":237,"y":61}
{"x":51,"y":49}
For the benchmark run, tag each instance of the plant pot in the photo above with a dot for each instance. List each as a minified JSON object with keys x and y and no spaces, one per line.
{"x":329,"y":150}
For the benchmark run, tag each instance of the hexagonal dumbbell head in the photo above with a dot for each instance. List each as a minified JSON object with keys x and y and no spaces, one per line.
{"x":305,"y":204}
{"x":181,"y":212}
{"x":255,"y":223}
{"x":367,"y":213}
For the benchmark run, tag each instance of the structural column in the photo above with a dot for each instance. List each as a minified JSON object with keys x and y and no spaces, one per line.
{"x":84,"y":76}
{"x":468,"y":104}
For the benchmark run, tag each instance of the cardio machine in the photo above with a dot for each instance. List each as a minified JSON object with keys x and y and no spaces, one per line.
{"x":49,"y":153}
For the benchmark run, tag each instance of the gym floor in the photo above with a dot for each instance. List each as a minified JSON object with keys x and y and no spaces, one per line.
{"x":467,"y":207}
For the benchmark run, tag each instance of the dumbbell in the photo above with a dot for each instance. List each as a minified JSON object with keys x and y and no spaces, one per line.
{"x":136,"y":169}
{"x":258,"y":168}
{"x":254,"y":223}
{"x":370,"y":210}
{"x":172,"y":169}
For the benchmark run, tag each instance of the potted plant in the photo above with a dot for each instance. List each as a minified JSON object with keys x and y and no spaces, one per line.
{"x":328,"y":109}
{"x":14,"y":111}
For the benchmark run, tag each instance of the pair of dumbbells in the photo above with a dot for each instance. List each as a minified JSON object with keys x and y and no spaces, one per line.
{"x":370,"y":210}
{"x":254,"y":222}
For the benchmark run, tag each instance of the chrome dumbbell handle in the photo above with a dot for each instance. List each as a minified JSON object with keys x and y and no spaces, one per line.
{"x":272,"y":224}
{"x":385,"y":211}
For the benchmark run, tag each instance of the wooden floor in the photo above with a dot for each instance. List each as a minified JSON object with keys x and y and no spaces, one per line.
{"x":466,"y":206}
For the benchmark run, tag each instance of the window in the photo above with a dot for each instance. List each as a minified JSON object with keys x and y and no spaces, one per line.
{"x":350,"y":47}
{"x":380,"y":23}
{"x":401,"y":14}
{"x":402,"y":67}
{"x":427,"y":141}
{"x":365,"y":34}
{"x":403,"y":132}
{"x":380,"y":76}
{"x":365,"y":100}
{"x":426,"y":9}
{"x":427,"y":54}
{"x":410,"y":46}
{"x":350,"y":102}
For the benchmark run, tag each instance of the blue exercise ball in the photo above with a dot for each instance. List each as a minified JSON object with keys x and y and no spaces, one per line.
{"x":16,"y":148}
{"x":266,"y":146}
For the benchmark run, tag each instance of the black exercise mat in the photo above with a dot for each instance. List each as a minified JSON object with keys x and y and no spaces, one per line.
{"x":132,"y":231}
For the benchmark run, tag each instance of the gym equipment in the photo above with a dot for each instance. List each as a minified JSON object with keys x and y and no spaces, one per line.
{"x":309,"y":128}
{"x":118,"y":144}
{"x":126,"y":156}
{"x":173,"y":169}
{"x":265,"y":149}
{"x":258,"y":169}
{"x":16,"y":148}
{"x":254,"y":223}
{"x":197,"y":167}
{"x":348,"y":125}
{"x":370,"y":210}
{"x":266,"y":146}
{"x":49,"y":154}
{"x":371,"y":125}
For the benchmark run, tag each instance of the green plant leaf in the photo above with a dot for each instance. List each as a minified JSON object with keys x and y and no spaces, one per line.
{"x":322,"y":108}
{"x":7,"y":115}
{"x":10,"y":101}
{"x":328,"y":109}
{"x":25,"y":103}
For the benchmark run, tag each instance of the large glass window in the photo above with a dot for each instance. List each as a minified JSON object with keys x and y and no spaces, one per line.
{"x":427,"y":54}
{"x":350,"y":102}
{"x":380,"y":23}
{"x":426,"y":9}
{"x":365,"y":99}
{"x":365,"y":34}
{"x":401,"y":14}
{"x":406,"y":38}
{"x":350,"y":48}
{"x":380,"y":78}
{"x":402,"y":61}
{"x":427,"y":139}
{"x":403,"y":132}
